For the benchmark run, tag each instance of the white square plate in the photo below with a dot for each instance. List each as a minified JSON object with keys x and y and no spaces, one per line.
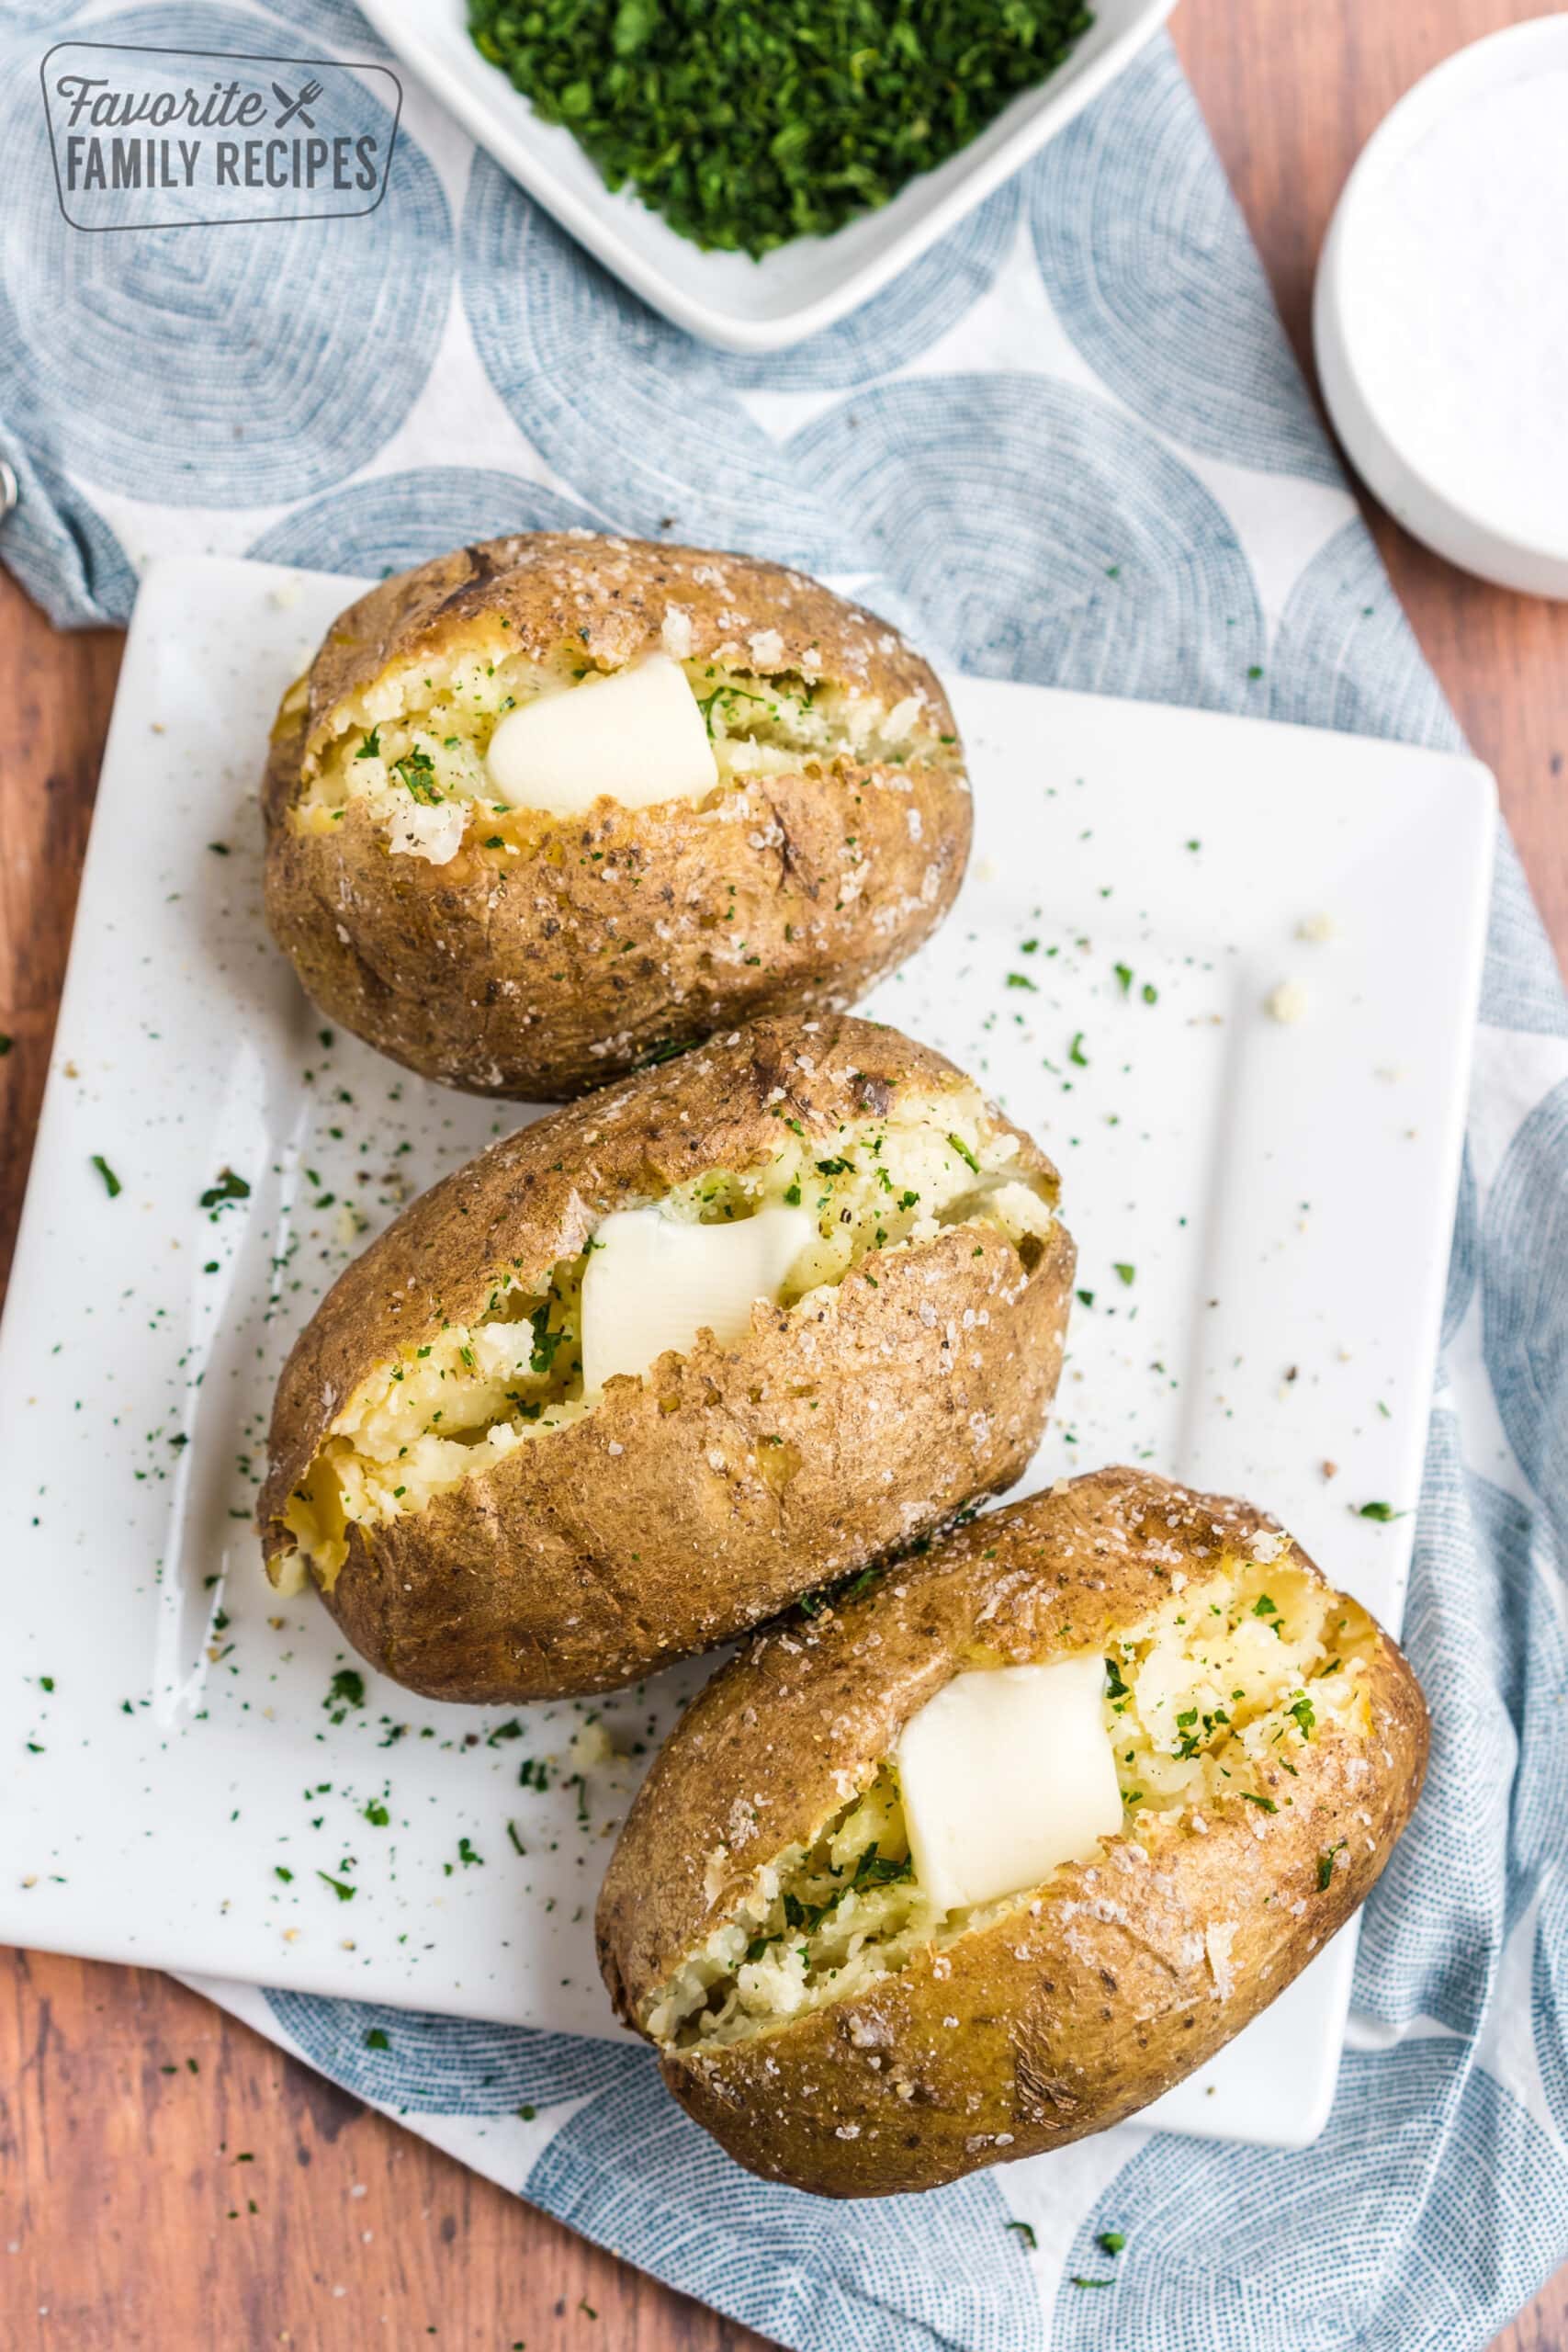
{"x":740,"y":304}
{"x":183,"y":1779}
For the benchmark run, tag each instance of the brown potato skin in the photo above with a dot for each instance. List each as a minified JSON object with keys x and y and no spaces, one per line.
{"x":662,"y":1523}
{"x":531,"y":990}
{"x":1040,"y":2029}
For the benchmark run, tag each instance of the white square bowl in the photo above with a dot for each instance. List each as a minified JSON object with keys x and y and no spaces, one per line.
{"x":728,"y":298}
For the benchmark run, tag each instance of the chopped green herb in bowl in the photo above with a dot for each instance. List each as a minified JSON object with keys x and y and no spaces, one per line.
{"x":746,"y":125}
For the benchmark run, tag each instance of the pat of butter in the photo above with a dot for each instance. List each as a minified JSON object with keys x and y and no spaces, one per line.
{"x":653,"y":1283}
{"x":1005,"y":1774}
{"x":636,"y":736}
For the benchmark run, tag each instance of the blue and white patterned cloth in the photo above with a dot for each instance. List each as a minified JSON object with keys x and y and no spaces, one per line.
{"x":1071,"y":446}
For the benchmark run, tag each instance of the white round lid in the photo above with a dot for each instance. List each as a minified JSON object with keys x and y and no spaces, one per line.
{"x":1441,"y":316}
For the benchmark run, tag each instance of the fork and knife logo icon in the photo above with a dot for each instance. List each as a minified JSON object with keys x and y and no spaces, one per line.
{"x":291,"y":108}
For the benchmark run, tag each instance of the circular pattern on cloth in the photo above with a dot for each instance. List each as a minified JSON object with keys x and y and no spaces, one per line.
{"x":61,"y":550}
{"x":1530,"y":1669}
{"x":1549,"y":1995}
{"x":1462,"y":1252}
{"x":1524,"y":1297}
{"x":1520,"y":986}
{"x":631,"y":413}
{"x":1153,"y":276}
{"x":1434,"y":1924}
{"x":337,"y":22}
{"x":404,"y":519}
{"x":227,"y":367}
{"x":42,"y":16}
{"x":926,"y":2273}
{"x":910,"y":314}
{"x":1058,"y":540}
{"x":1345,"y":656}
{"x":435,"y":2065}
{"x":1362,"y":2239}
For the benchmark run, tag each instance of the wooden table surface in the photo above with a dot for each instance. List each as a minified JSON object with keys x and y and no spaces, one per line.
{"x":123,"y":2221}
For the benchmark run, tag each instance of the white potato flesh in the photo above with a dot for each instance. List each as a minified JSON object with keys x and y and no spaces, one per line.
{"x":1006,"y":1773}
{"x":653,"y":1282}
{"x":636,"y":736}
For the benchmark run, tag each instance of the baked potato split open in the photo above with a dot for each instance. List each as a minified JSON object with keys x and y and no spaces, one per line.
{"x":775,"y":824}
{"x":765,"y":1920}
{"x":495,"y":1513}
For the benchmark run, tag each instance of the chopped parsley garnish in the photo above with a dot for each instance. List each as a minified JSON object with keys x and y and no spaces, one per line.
{"x":1264,"y":1804}
{"x":1124,"y":1274}
{"x":1382,"y":1513}
{"x":416,"y":770}
{"x":1124,"y":975}
{"x":546,"y":1341}
{"x":1326,"y":1865}
{"x":830,"y":1596}
{"x":1264,"y":1606}
{"x":371,"y":747}
{"x":875,"y":1869}
{"x":340,"y":1887}
{"x":1076,"y":1053}
{"x":376,"y":2039}
{"x":1025,"y":2230}
{"x":1303,"y":1712}
{"x":112,"y":1185}
{"x":1111,"y":2241}
{"x":1114,"y":1686}
{"x":346,"y":1690}
{"x":745,"y":126}
{"x":807,"y":1917}
{"x":228,"y":1187}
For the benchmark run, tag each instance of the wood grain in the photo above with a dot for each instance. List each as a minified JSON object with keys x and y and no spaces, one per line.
{"x":127,"y":2104}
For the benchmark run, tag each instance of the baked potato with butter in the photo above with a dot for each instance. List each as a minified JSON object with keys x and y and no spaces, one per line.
{"x":991,"y":1853}
{"x":643,"y":1373}
{"x":552,"y":805}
